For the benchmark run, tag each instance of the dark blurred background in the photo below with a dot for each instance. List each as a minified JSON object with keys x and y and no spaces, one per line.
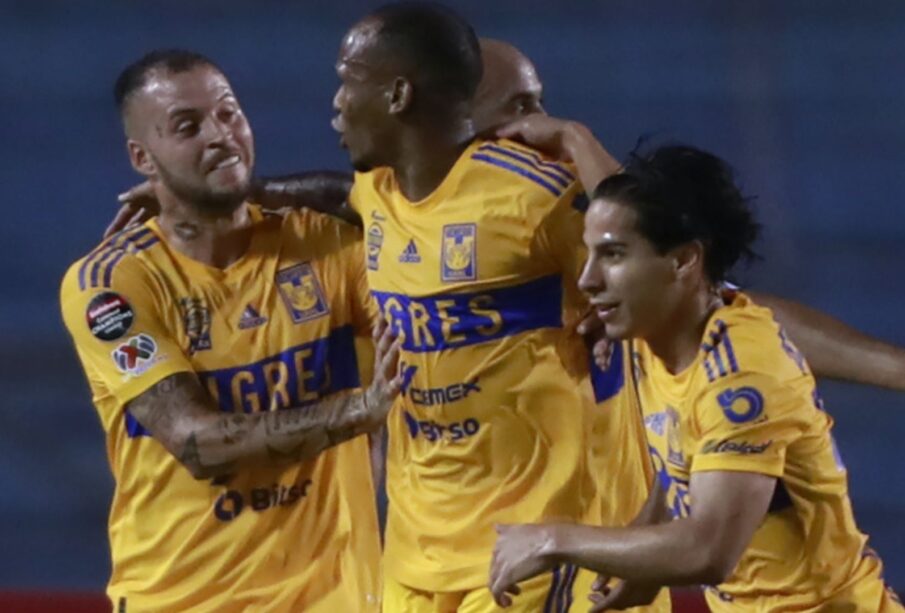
{"x":806,"y":99}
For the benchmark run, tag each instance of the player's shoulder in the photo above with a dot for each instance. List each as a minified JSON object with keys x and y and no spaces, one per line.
{"x":321,"y":227}
{"x":743,"y":338}
{"x":504,"y":163}
{"x":123,"y":256}
{"x":317,"y":236}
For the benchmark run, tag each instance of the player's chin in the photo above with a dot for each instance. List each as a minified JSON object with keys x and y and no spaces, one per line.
{"x":361,"y":164}
{"x":224,"y":198}
{"x":619,"y":330}
{"x":234,"y":179}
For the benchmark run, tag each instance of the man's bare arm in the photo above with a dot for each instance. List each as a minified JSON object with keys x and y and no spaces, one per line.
{"x":569,"y":141}
{"x":179,"y":413}
{"x":326,"y":191}
{"x":836,"y":350}
{"x":703,"y":548}
{"x":625,"y":594}
{"x":654,"y":510}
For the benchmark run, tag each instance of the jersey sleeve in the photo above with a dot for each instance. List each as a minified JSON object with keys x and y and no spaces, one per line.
{"x":118,"y":332}
{"x":559,"y":235}
{"x":746,"y":423}
{"x":559,"y":238}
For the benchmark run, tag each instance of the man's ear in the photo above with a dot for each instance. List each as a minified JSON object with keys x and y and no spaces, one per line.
{"x":140,"y":158}
{"x":688,"y":259}
{"x":401,"y":95}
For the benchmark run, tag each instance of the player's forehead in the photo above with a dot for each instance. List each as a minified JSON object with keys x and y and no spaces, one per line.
{"x":169,"y":92}
{"x":357,"y":49}
{"x":609,"y":221}
{"x":525,"y":76}
{"x":503,"y":60}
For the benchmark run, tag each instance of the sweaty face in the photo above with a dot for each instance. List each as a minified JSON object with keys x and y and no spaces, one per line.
{"x":630,"y":284}
{"x":361,"y":118}
{"x":195,"y":133}
{"x":510,"y":89}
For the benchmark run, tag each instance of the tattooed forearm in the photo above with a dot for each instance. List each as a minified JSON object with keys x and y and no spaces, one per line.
{"x":179,"y":414}
{"x":325,"y":191}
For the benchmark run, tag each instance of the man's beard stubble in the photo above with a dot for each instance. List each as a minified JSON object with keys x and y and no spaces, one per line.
{"x":203,"y":199}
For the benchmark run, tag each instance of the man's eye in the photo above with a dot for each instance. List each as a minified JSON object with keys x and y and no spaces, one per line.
{"x":228,"y":114}
{"x":527,"y":105}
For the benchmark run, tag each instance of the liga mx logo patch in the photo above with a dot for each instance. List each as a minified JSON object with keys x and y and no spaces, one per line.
{"x":136,"y":355}
{"x":301,"y":293}
{"x":459,"y":261}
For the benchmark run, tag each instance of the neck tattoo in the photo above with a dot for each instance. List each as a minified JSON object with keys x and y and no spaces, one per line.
{"x":186,"y":231}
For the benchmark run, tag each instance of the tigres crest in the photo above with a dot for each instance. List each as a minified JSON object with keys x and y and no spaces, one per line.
{"x":459,"y":252}
{"x":301,"y":293}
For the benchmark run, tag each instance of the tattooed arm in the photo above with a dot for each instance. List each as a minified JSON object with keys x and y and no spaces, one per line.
{"x":324,"y":191}
{"x":179,"y":413}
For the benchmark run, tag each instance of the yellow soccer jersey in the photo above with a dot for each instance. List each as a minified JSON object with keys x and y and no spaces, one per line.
{"x":275,"y":329}
{"x":748,"y":403}
{"x":620,"y":457}
{"x":491,"y":426}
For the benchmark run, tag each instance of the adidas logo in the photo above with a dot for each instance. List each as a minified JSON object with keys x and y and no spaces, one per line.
{"x":250,"y":318}
{"x":410,"y":254}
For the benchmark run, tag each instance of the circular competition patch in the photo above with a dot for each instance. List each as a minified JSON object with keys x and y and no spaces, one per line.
{"x":109,"y":316}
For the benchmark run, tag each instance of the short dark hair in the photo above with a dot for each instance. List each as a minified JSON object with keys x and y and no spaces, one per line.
{"x":436,"y":42}
{"x":135,"y":75}
{"x":681,"y":194}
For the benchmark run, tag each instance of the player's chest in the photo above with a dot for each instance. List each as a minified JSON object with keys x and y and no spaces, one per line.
{"x":221,"y":323}
{"x":670,"y":444}
{"x":419,"y":252}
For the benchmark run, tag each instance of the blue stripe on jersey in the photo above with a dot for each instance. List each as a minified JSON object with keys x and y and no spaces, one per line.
{"x":558,"y":168}
{"x":536,"y":164}
{"x":102,"y":251}
{"x":133,"y":428}
{"x":295,"y":377}
{"x":566,"y":598}
{"x":607,"y":383}
{"x":117,"y":250}
{"x":135,"y":248}
{"x":718,"y":360}
{"x":720,"y":343}
{"x":518,"y":170}
{"x":709,"y":369}
{"x":724,"y":337}
{"x":555,"y":586}
{"x":446,"y":321}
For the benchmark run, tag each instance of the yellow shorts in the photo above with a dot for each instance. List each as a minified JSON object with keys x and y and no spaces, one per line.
{"x":549,"y":593}
{"x":564,"y":590}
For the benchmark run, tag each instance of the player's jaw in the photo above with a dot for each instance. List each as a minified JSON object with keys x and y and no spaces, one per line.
{"x":219,"y":186}
{"x":358,"y":141}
